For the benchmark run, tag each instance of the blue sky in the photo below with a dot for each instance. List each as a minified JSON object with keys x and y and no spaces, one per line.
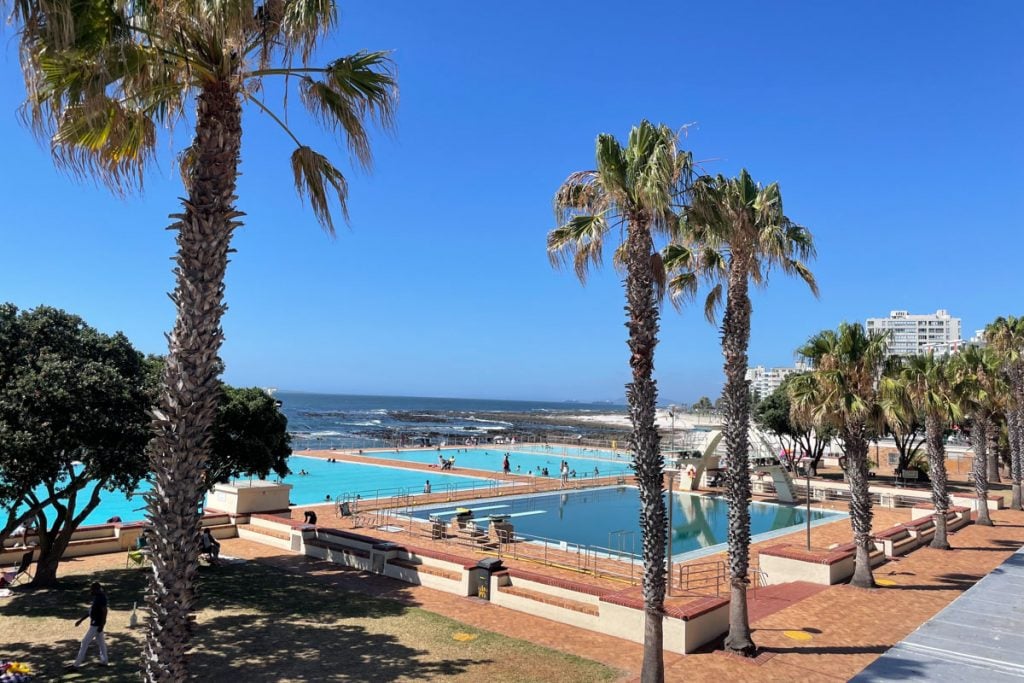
{"x":893,"y":128}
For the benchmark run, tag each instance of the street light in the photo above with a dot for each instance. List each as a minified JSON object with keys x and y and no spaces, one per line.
{"x":672,"y":414}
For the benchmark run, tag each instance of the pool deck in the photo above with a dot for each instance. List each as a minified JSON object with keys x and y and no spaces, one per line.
{"x":848,"y":627}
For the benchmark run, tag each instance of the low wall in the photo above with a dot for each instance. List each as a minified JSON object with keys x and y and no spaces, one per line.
{"x":246,"y":497}
{"x":101,"y":539}
{"x":786,"y":563}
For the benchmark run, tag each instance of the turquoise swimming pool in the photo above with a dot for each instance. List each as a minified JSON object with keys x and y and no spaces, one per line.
{"x":608,"y":518}
{"x":521,"y":461}
{"x":324,"y":478}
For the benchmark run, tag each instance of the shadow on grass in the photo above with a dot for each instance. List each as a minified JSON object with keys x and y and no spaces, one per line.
{"x":292,"y":627}
{"x":48,"y":659}
{"x":265,"y":649}
{"x":224,"y":587}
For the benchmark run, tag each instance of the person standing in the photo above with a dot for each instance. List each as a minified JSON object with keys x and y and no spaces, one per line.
{"x":506,"y":466}
{"x":426,"y":487}
{"x":97,"y":617}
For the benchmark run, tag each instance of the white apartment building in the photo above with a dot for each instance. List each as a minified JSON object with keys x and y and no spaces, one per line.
{"x":911,"y":335}
{"x":763,"y":381}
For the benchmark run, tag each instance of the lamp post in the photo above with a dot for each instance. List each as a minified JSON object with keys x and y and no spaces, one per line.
{"x":672,"y":414}
{"x":807,"y":472}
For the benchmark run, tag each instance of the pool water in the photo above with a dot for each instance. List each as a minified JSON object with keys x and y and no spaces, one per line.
{"x":609,"y":518}
{"x":324,"y":478}
{"x":522,"y":462}
{"x":580,"y":451}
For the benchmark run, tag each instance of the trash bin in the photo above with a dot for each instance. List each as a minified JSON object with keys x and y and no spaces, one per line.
{"x":482,"y":573}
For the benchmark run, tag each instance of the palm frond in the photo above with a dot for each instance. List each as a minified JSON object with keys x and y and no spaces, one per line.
{"x":304,"y":22}
{"x":579,"y":241}
{"x":105,"y":140}
{"x":713,"y":303}
{"x":354,"y":88}
{"x":317,"y":179}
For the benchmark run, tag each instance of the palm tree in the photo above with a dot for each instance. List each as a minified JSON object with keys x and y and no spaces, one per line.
{"x":1006,"y":337}
{"x":733,"y":232}
{"x":636,"y":189}
{"x":843,"y":392}
{"x":928,"y":386}
{"x":101,"y":79}
{"x":977,"y":373}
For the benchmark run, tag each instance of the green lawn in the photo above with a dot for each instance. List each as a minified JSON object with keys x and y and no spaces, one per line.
{"x":259,"y":624}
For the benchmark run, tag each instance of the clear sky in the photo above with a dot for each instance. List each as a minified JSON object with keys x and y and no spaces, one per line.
{"x":893,"y":128}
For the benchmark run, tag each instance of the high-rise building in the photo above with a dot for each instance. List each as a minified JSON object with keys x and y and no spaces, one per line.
{"x":763,"y":381}
{"x":911,"y":335}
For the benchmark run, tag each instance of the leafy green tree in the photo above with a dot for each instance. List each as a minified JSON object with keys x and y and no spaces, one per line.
{"x":1006,"y":337}
{"x":72,"y":423}
{"x":733,"y":233}
{"x":843,"y":392}
{"x":702,"y":405}
{"x":102,"y":78}
{"x":250,"y":436}
{"x":57,"y":459}
{"x":634,"y":191}
{"x":774,"y":414}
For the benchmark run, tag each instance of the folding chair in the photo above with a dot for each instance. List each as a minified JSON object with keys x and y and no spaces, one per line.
{"x":137,"y":558}
{"x":20,"y":573}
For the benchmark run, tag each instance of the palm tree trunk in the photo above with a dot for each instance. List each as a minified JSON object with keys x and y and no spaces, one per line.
{"x":861,"y":512}
{"x":992,"y":455}
{"x":642,"y":397}
{"x":1013,"y":428}
{"x":736,"y":395}
{"x":937,"y":473}
{"x":978,"y":466}
{"x":188,"y":401}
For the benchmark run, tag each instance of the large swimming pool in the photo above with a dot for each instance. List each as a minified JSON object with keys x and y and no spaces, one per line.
{"x":609,"y":518}
{"x":521,"y":461}
{"x":323,"y":479}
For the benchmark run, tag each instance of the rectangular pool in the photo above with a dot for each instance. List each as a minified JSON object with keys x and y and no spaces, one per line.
{"x":521,"y":461}
{"x":609,"y":518}
{"x":324,"y":478}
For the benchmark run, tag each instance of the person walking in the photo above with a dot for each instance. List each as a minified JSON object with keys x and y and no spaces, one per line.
{"x":97,"y":617}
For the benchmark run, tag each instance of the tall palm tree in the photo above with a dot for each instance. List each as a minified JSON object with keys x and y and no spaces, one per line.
{"x":928,"y":385}
{"x":977,"y":371}
{"x":101,"y":79}
{"x":732,"y":233}
{"x":1006,"y":337}
{"x":843,"y":392}
{"x":636,"y":190}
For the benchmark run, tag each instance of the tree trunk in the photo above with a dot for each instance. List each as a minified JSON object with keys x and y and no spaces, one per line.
{"x":54,"y":541}
{"x":937,"y":473}
{"x":736,"y":395}
{"x":642,"y":396}
{"x":992,"y":454}
{"x":188,"y":401}
{"x":50,"y":553}
{"x":979,"y":467}
{"x":1013,"y":428}
{"x":860,"y":505}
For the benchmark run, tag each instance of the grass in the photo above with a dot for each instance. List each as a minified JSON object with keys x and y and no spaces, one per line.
{"x":256,"y":623}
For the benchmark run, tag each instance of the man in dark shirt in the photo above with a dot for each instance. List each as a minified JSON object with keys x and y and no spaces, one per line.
{"x":97,"y":617}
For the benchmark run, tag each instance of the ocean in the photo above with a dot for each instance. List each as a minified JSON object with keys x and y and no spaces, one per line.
{"x":349,"y":421}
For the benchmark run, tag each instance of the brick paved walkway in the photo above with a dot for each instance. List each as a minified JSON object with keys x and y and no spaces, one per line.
{"x":849,"y":627}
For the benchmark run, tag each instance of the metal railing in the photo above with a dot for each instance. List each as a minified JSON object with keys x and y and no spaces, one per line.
{"x":712,"y":578}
